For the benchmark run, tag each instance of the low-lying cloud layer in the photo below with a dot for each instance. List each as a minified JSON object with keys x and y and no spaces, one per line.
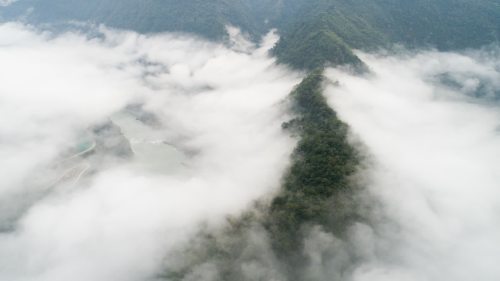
{"x":69,"y":213}
{"x":115,"y":149}
{"x":4,"y":3}
{"x":431,"y":123}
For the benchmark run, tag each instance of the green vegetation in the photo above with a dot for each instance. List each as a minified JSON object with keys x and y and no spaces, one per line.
{"x":317,"y":190}
{"x":312,"y":46}
{"x":318,"y":32}
{"x":324,"y":35}
{"x":205,"y":18}
{"x":314,"y":33}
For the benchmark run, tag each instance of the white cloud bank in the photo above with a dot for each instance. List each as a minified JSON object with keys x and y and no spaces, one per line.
{"x":5,"y":3}
{"x":119,"y":223}
{"x":428,"y":121}
{"x":432,"y":126}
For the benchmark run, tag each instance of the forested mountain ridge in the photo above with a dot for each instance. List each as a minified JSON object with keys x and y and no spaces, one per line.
{"x":320,"y":30}
{"x":318,"y":222}
{"x":318,"y":194}
{"x":312,"y":32}
{"x":205,"y":18}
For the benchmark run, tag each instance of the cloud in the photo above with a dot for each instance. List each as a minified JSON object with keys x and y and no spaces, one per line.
{"x":430,"y":123}
{"x":5,"y":3}
{"x":203,"y":120}
{"x":204,"y":123}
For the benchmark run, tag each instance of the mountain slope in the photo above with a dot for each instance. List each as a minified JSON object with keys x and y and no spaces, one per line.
{"x":318,"y":194}
{"x":205,"y":18}
{"x":314,"y":32}
{"x":366,"y":25}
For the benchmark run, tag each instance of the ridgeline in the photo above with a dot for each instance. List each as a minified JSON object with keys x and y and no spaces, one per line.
{"x":314,"y":33}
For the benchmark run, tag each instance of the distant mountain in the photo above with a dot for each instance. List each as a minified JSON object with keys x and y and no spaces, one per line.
{"x":320,"y":31}
{"x":205,"y":18}
{"x":314,"y":32}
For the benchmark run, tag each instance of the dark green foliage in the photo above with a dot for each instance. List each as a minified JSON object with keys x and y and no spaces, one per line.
{"x":313,"y":45}
{"x":317,"y":190}
{"x":314,"y":33}
{"x":244,"y":240}
{"x":318,"y":32}
{"x":205,"y":18}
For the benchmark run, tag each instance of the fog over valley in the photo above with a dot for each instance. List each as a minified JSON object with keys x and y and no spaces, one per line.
{"x":431,"y":132}
{"x":252,"y":140}
{"x":180,"y":125}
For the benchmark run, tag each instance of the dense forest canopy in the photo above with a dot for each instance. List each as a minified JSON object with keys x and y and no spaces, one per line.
{"x":313,"y":32}
{"x":306,"y":226}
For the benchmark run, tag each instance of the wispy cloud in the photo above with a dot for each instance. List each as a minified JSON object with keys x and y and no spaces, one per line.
{"x":430,"y":122}
{"x":218,"y":108}
{"x":5,"y":3}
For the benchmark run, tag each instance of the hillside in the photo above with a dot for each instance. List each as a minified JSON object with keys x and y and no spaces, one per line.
{"x":313,"y":32}
{"x":205,"y":18}
{"x":318,"y":193}
{"x":166,"y":152}
{"x":366,"y":25}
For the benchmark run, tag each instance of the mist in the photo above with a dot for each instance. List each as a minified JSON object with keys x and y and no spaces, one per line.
{"x":115,"y":149}
{"x":5,"y":3}
{"x":428,"y":123}
{"x":120,"y":151}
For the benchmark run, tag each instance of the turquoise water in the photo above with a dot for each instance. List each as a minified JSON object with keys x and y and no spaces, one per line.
{"x":84,"y":145}
{"x":150,"y":147}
